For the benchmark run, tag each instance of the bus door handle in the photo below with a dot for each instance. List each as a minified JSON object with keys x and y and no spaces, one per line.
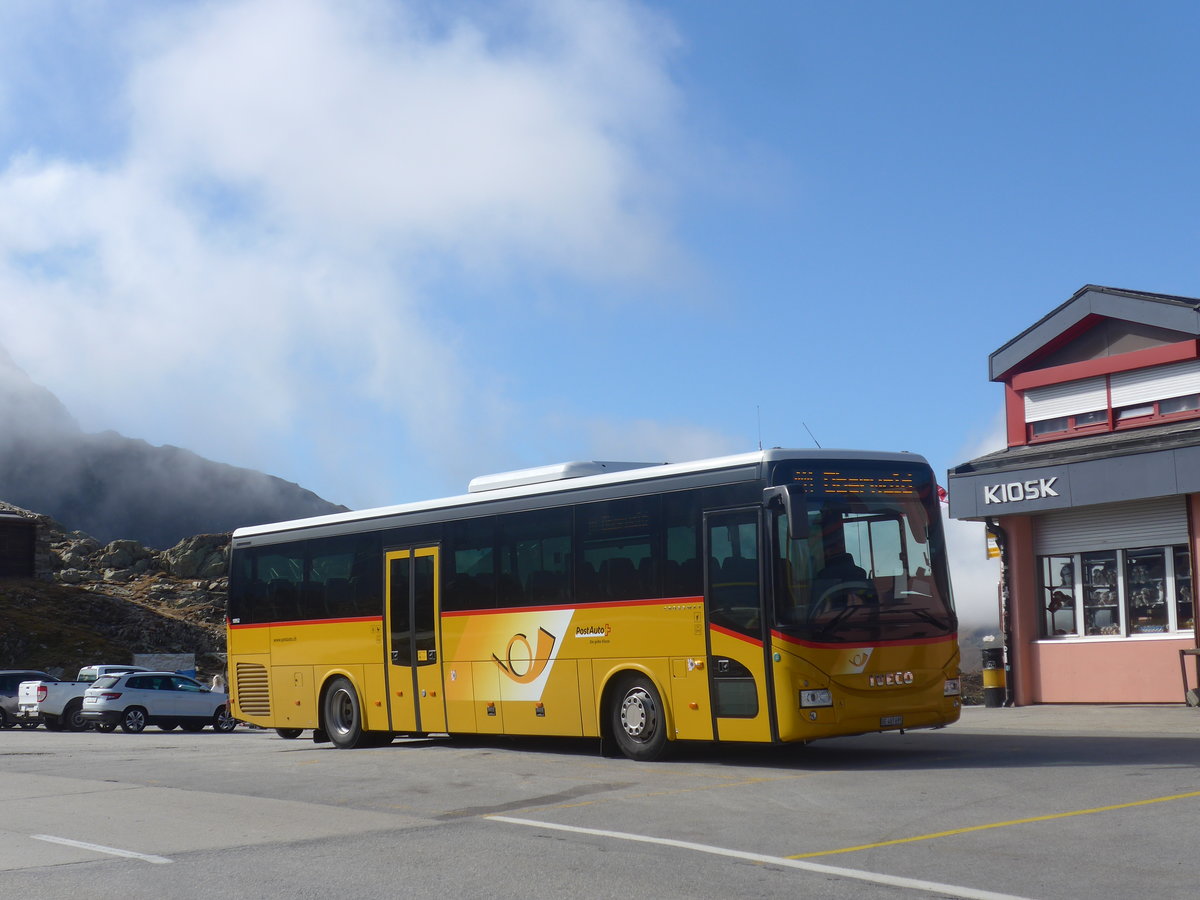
{"x":722,"y":666}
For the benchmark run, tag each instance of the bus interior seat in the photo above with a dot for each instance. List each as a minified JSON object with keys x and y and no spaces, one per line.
{"x":545,"y":587}
{"x":619,"y":578}
{"x":739,"y":570}
{"x":339,"y":601}
{"x":646,"y":580}
{"x":509,"y":591}
{"x":587,"y":583}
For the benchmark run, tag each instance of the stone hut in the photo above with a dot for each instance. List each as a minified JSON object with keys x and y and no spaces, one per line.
{"x":24,"y":543}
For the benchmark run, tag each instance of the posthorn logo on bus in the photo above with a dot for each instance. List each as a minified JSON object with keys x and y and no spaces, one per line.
{"x":526,"y":664}
{"x":1014,"y":491}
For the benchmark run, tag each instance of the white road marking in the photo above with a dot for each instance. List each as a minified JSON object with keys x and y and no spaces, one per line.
{"x":99,"y":848}
{"x":915,"y":884}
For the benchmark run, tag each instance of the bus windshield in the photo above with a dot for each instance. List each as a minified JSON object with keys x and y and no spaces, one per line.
{"x":860,"y":568}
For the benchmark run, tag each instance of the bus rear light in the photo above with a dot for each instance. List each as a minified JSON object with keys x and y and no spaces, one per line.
{"x":952,"y":689}
{"x":816,"y":698}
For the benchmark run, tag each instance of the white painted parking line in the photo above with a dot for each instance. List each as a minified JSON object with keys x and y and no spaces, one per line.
{"x":948,"y":890}
{"x":99,"y":848}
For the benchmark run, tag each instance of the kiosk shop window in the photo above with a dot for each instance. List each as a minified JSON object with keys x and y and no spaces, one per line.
{"x":1058,"y":595}
{"x":1116,"y":593}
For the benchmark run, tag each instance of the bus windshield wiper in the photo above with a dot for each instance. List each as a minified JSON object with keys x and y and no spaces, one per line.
{"x":922,"y":614}
{"x":838,"y":619}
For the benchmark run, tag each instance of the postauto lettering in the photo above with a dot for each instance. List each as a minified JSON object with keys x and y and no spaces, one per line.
{"x":1034,"y":489}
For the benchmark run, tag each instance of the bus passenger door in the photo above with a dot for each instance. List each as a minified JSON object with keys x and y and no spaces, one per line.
{"x":733,"y":603}
{"x":415,"y":696}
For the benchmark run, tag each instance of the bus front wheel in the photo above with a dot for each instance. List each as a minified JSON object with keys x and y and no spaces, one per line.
{"x":638,"y":720}
{"x":343,"y":715}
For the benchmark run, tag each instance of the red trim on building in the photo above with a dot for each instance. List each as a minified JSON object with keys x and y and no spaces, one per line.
{"x":1014,"y":407}
{"x":1108,"y":365}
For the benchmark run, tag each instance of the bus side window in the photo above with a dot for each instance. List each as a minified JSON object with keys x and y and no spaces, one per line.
{"x":733,"y":594}
{"x":683,"y":574}
{"x":470,"y":565}
{"x":535,"y":557}
{"x":620,"y":549}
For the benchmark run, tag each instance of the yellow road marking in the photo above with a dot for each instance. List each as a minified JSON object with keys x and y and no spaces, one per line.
{"x":1051,"y":817}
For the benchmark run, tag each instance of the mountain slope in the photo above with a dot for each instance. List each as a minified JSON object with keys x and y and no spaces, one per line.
{"x":114,"y":487}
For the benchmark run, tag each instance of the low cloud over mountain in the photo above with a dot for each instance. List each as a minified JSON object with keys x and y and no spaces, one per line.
{"x":111,"y":486}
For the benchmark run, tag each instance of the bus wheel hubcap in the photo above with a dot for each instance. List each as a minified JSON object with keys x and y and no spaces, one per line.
{"x":637,"y":713}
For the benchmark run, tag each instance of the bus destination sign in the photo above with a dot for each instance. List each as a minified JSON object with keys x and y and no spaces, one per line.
{"x":847,"y":482}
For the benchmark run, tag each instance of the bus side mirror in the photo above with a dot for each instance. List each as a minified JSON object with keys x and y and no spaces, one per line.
{"x":791,"y":499}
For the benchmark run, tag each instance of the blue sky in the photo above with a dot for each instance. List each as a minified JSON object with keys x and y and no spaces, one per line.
{"x":377,"y":248}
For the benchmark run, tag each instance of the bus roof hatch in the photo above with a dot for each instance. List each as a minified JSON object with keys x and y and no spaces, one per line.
{"x":556,"y":472}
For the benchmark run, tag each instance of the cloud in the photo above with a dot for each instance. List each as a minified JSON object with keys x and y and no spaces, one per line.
{"x":258,"y":260}
{"x":383,"y":126}
{"x":975,"y":577}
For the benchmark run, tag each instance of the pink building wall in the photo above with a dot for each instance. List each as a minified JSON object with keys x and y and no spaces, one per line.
{"x":1119,"y":671}
{"x":1129,"y":670}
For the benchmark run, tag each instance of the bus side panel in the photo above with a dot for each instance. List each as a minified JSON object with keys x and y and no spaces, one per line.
{"x":293,"y":697}
{"x":689,"y":697}
{"x":349,"y":643}
{"x":373,"y":694}
{"x":541,"y":670}
{"x":241,"y":640}
{"x":740,"y":695}
{"x":489,"y":712}
{"x":464,"y":681}
{"x":554,"y":711}
{"x":588,"y":710}
{"x":460,"y":698}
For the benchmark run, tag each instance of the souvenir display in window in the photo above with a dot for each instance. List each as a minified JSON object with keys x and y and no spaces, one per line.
{"x":1058,"y":593}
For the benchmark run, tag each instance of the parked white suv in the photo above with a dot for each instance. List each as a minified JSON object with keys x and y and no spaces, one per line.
{"x":59,"y":703}
{"x":137,"y":699}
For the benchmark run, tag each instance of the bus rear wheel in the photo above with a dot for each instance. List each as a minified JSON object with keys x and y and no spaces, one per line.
{"x":342,"y":715}
{"x":637,"y":719}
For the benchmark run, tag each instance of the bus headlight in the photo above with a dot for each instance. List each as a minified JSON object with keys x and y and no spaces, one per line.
{"x":952,"y":688}
{"x":816,"y":698}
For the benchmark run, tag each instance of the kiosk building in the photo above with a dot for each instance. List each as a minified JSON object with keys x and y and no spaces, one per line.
{"x":1096,"y":499}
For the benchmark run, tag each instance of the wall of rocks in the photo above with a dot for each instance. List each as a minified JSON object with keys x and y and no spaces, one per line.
{"x":190,"y":579}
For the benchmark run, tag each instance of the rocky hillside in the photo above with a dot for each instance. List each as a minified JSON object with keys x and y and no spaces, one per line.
{"x":106,"y":602}
{"x":113,"y":487}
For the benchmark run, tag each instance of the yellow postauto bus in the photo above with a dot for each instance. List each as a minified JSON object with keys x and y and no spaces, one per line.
{"x":776,"y":596}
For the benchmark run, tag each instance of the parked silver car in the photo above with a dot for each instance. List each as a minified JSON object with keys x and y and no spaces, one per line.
{"x":136,"y":699}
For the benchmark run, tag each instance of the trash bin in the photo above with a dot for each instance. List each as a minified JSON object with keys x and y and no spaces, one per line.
{"x":994,"y":681}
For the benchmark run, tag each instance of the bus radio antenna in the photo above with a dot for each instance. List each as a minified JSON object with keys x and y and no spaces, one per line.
{"x":811,"y":435}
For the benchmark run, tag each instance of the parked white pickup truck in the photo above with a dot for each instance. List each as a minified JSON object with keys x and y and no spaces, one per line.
{"x":59,"y":704}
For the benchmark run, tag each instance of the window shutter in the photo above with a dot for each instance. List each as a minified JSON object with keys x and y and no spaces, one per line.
{"x":1071,"y":398}
{"x":1158,"y":383}
{"x":1146,"y":523}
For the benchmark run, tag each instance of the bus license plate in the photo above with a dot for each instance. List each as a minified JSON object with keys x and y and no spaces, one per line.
{"x":891,"y":721}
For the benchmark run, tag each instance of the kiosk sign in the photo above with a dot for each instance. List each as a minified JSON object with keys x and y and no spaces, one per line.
{"x":1015,"y":491}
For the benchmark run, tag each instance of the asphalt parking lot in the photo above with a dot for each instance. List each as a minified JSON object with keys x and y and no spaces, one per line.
{"x":1039,"y":802}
